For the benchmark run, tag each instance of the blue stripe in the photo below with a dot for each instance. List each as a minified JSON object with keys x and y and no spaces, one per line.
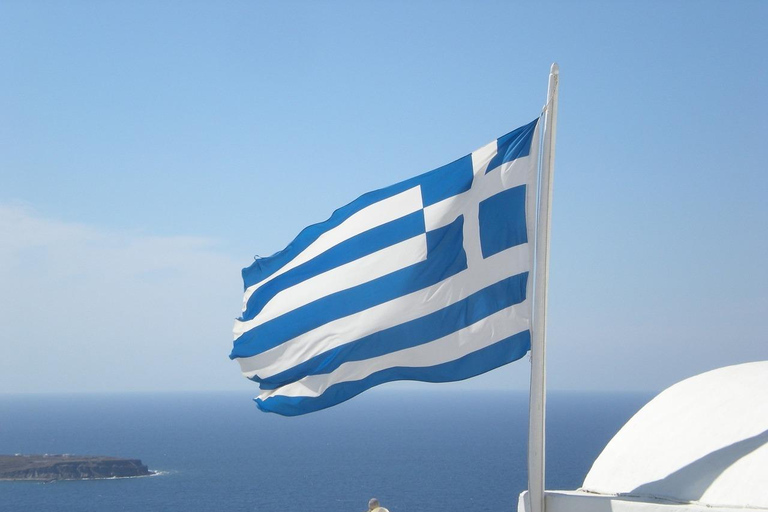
{"x":446,"y":257}
{"x":436,"y":185}
{"x":475,"y":307}
{"x":515,"y":144}
{"x":446,"y":181}
{"x":356,"y":247}
{"x":500,"y":353}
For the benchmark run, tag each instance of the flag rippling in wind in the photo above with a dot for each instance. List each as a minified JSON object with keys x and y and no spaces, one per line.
{"x":424,"y":280}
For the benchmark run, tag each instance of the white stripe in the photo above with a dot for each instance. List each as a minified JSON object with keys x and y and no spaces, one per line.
{"x":357,"y":272}
{"x":512,"y":261}
{"x":376,"y":214}
{"x":458,"y":344}
{"x":483,"y":156}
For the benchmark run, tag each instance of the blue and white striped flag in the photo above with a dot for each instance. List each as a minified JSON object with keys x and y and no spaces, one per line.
{"x":425,"y":280}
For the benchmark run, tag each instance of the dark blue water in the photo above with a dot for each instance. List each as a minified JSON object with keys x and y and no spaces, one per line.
{"x":431,"y":451}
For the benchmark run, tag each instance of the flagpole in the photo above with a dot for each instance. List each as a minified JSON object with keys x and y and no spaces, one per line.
{"x":537,"y":404}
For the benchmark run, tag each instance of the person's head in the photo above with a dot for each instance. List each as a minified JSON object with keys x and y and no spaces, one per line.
{"x":373,"y":503}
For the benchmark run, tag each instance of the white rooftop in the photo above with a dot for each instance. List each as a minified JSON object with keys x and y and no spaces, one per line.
{"x":700,"y":444}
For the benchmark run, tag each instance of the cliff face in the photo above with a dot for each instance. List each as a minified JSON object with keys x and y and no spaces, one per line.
{"x":68,"y":467}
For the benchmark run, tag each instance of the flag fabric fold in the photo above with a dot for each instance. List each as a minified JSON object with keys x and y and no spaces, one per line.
{"x":425,"y":280}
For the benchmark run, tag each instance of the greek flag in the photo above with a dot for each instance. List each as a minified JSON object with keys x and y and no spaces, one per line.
{"x":424,"y":280}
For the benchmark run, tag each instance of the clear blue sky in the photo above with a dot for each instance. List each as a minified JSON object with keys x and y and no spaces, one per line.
{"x":149,"y":149}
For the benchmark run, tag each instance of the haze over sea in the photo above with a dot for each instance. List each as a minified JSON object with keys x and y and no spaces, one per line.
{"x":429,"y":450}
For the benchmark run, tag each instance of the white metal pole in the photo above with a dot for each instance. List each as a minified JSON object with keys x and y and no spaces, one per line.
{"x":537,"y":405}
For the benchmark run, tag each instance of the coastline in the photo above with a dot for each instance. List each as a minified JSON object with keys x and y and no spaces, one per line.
{"x":48,"y":467}
{"x":44,"y":481}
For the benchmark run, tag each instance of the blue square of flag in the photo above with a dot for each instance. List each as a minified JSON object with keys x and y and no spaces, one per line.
{"x":502,"y":221}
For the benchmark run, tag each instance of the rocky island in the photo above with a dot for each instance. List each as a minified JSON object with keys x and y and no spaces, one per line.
{"x":68,"y":467}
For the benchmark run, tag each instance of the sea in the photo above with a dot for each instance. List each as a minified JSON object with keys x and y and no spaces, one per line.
{"x":416,"y":451}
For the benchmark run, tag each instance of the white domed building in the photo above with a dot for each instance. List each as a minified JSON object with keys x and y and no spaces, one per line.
{"x":700,"y":445}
